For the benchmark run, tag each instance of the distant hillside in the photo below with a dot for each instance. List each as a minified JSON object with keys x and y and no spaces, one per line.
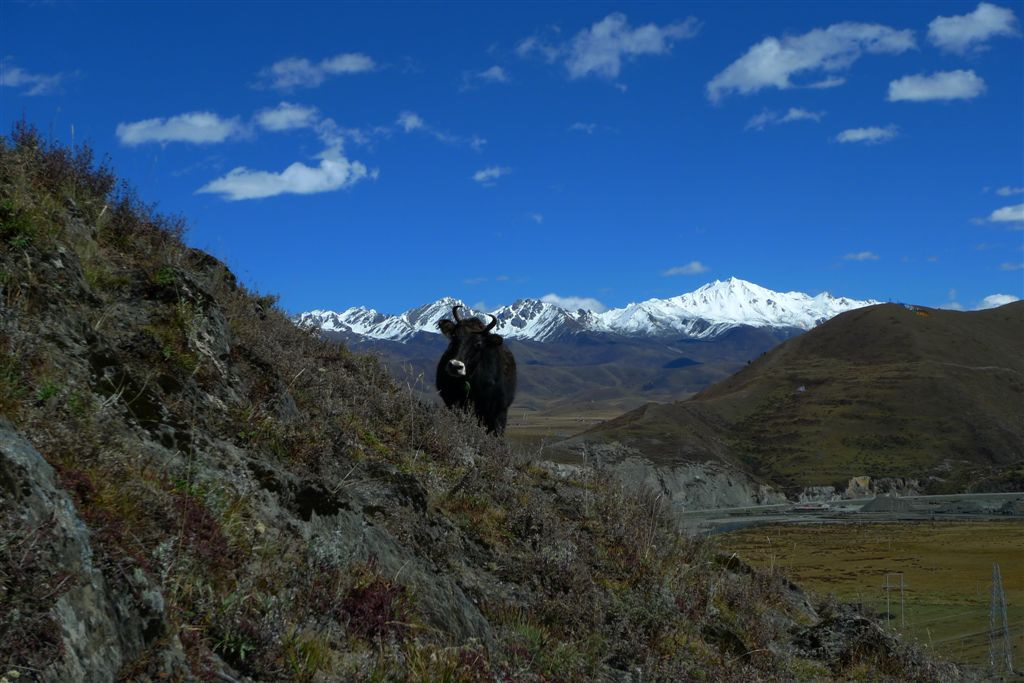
{"x":887,"y":390}
{"x":590,"y":372}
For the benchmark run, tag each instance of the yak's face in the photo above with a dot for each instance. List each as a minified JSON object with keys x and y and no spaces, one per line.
{"x":469,"y":341}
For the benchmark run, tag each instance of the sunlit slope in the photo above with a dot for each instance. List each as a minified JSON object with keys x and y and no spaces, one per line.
{"x":884,"y":391}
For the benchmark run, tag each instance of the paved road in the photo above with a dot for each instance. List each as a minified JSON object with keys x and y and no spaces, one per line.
{"x":959,"y":507}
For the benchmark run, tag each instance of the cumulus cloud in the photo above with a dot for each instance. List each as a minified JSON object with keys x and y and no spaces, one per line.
{"x":488,"y":175}
{"x":1009,"y":191}
{"x":601,"y":49}
{"x":964,"y":32}
{"x":31,"y":84}
{"x":942,"y":85}
{"x":299,"y":72}
{"x":773,"y":62}
{"x":574,"y":303}
{"x":767,"y":117}
{"x":287,"y":116}
{"x":333,"y":173}
{"x":861,"y":256}
{"x":871,"y":136}
{"x":691,"y":268}
{"x":198,"y":127}
{"x":996,"y":300}
{"x":1008,"y":214}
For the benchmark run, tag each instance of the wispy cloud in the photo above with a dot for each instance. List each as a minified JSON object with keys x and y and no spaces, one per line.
{"x":537,"y":218}
{"x":487,"y":176}
{"x":495,"y":74}
{"x":768,"y":117}
{"x":299,"y":72}
{"x":691,"y":268}
{"x":942,"y":85}
{"x":1009,"y":191}
{"x":1008,"y":214}
{"x":287,"y":116}
{"x":601,"y":49}
{"x":31,"y":84}
{"x":580,"y":127}
{"x":971,"y":31}
{"x":861,"y":256}
{"x":773,"y":62}
{"x":1011,"y":266}
{"x":574,"y":303}
{"x":199,"y":127}
{"x":410,"y":121}
{"x":871,"y":136}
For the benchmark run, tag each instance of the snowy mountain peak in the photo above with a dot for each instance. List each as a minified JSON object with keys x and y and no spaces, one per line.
{"x":704,"y":313}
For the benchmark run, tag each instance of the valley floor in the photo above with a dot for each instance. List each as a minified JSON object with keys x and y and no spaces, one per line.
{"x":946,"y":568}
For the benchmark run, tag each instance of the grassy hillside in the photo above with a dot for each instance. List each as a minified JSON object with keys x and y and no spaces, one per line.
{"x":883,"y":391}
{"x":191,"y":488}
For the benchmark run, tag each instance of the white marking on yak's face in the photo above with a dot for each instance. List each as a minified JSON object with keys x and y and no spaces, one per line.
{"x":457,"y":368}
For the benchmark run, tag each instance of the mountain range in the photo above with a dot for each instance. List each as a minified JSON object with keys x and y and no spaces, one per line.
{"x":705,"y":313}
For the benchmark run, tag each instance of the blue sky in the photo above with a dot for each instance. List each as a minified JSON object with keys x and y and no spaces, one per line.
{"x":389,"y":154}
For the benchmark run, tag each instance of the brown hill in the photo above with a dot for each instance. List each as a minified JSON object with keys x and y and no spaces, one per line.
{"x":888,"y":390}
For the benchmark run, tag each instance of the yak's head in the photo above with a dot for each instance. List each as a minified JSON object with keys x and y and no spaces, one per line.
{"x":469,"y":340}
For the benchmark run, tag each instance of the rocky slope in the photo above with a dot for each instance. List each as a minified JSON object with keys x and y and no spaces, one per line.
{"x":192,"y":488}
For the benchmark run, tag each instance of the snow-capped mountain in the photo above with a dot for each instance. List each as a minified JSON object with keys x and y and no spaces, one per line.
{"x":705,"y":313}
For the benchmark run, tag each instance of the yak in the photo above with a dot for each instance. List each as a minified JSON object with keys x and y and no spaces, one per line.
{"x":476,"y":370}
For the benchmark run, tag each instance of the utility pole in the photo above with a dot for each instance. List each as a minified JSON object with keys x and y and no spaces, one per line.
{"x":999,"y":652}
{"x":888,"y":587}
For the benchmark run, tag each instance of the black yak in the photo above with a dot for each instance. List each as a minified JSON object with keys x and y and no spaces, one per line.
{"x":476,"y":370}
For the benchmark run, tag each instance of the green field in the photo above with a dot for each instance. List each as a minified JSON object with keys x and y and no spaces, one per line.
{"x":947,"y":575}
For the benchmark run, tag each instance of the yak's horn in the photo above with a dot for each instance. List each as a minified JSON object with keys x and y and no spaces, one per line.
{"x":494,"y":321}
{"x":455,"y":313}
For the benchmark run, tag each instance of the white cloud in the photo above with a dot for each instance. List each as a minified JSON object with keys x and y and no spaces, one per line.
{"x":1008,"y":214}
{"x":493,"y":75}
{"x":32,"y":84}
{"x":410,"y":121}
{"x":198,"y":127}
{"x":767,"y":117}
{"x":961,"y":33}
{"x":601,"y":49}
{"x":488,"y":175}
{"x":996,"y":300}
{"x":537,"y":218}
{"x":333,"y":173}
{"x":1009,"y":191}
{"x":870,"y":136}
{"x":830,"y":82}
{"x":942,"y":85}
{"x":773,"y":62}
{"x":861,"y":256}
{"x":574,"y":303}
{"x":1011,"y":266}
{"x":581,"y":127}
{"x":287,"y":116}
{"x":299,"y":72}
{"x":691,"y":268}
